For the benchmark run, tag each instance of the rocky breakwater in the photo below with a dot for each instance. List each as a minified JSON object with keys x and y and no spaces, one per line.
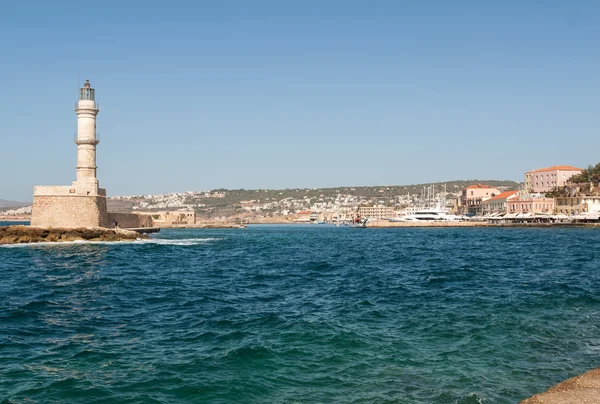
{"x":27,"y":234}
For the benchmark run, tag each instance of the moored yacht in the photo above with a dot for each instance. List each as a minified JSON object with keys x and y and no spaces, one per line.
{"x":427,"y":215}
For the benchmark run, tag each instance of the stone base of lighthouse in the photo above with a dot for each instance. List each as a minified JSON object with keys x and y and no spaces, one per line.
{"x":79,"y":205}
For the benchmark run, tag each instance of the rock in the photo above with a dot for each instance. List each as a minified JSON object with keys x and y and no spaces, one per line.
{"x":580,"y":389}
{"x":110,"y":237}
{"x":24,"y":239}
{"x":10,"y":240}
{"x":71,"y":236}
{"x":14,"y":230}
{"x":94,"y":233}
{"x":26,"y":234}
{"x":52,"y":237}
{"x":39,"y":232}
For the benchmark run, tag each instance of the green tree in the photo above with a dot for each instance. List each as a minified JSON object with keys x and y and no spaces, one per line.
{"x":590,"y":174}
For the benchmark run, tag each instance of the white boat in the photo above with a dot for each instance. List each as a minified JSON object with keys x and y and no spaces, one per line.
{"x":358,"y":224}
{"x":426,"y":215}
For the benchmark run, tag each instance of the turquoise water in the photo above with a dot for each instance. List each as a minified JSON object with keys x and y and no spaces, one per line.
{"x":306,"y":314}
{"x":22,"y":223}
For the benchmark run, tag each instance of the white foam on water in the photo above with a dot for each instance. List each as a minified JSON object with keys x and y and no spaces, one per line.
{"x":57,"y":243}
{"x":181,"y":241}
{"x":160,"y":241}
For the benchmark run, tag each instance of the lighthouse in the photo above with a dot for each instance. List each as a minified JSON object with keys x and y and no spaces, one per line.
{"x":87,"y":110}
{"x":82,"y":204}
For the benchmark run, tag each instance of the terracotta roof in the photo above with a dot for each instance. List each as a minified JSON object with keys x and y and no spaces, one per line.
{"x":503,"y":195}
{"x":557,"y":168}
{"x":479,"y":186}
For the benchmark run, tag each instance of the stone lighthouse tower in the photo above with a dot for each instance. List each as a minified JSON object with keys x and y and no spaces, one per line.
{"x":83,"y":204}
{"x":86,"y":141}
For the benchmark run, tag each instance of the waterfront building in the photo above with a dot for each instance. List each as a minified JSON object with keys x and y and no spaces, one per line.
{"x":472,"y":197}
{"x":303,"y":216}
{"x":83,"y":203}
{"x":376,"y":212}
{"x":531,"y":203}
{"x":545,"y":179}
{"x":498,"y":203}
{"x":576,"y":205}
{"x":577,"y":199}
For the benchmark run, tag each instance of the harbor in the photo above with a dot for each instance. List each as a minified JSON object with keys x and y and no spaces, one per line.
{"x":300,"y":202}
{"x":417,"y":314}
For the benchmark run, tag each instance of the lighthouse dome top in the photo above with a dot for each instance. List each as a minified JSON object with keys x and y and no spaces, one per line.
{"x":87,"y":92}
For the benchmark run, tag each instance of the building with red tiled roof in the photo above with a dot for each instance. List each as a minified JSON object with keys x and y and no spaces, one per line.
{"x":303,"y":216}
{"x":473,"y":195}
{"x":559,"y":168}
{"x":504,"y":195}
{"x":544,"y":180}
{"x":498,"y":203}
{"x":479,"y":186}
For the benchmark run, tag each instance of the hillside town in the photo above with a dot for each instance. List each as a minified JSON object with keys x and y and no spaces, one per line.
{"x":293,"y":206}
{"x":552,"y":193}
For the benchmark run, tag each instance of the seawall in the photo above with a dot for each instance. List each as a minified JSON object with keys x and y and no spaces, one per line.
{"x":15,"y":218}
{"x":385,"y":224}
{"x":203,"y":225}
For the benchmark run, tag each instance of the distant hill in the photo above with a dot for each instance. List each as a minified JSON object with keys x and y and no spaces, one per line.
{"x":230,"y":202}
{"x":12,"y":204}
{"x":235,"y":195}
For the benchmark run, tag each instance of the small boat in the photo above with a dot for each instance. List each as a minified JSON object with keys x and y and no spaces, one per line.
{"x":358,"y":222}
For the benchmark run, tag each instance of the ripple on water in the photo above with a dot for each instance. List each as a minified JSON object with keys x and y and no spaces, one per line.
{"x":300,"y":314}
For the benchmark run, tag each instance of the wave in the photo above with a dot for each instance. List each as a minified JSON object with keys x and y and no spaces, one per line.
{"x":180,"y":242}
{"x":64,"y":243}
{"x":160,"y":241}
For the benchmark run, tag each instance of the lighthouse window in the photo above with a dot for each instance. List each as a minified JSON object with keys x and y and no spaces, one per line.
{"x":86,"y":94}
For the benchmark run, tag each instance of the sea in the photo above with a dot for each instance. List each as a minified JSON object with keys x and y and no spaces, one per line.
{"x":300,"y":314}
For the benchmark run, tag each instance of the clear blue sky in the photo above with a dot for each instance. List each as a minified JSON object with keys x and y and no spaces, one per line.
{"x":273,"y":94}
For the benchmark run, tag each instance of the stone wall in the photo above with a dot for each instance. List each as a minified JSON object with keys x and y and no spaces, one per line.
{"x":119,"y":205}
{"x":171,"y":217}
{"x":129,"y":220}
{"x":69,"y":211}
